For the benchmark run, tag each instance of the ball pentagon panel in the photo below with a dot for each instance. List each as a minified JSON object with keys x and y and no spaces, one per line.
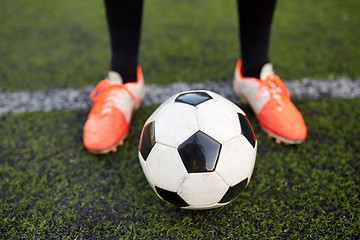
{"x":234,"y":191}
{"x":171,"y":197}
{"x":147,"y":140}
{"x":193,"y":98}
{"x":199,"y":153}
{"x":246,"y":129}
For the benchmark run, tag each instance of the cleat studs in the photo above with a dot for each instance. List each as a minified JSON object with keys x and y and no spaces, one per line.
{"x":277,"y":141}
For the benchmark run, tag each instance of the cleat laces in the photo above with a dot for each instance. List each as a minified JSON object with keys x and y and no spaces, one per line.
{"x":106,"y":95}
{"x":276,"y":89}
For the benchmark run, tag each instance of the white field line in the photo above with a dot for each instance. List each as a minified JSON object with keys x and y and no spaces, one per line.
{"x":59,"y":99}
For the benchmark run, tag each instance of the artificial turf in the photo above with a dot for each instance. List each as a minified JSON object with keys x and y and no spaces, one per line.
{"x":52,"y":188}
{"x":47,"y":45}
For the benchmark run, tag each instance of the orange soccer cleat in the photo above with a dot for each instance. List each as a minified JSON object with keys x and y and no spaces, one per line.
{"x":109,"y":119}
{"x":270,"y":100}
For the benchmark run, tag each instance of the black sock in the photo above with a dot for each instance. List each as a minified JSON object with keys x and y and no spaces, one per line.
{"x":124,"y":22}
{"x":255,"y":18}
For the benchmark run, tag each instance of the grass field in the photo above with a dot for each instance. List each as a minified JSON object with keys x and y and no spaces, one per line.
{"x":51,"y":188}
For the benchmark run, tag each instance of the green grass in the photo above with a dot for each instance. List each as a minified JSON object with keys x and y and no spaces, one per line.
{"x":52,"y":188}
{"x":65,"y":44}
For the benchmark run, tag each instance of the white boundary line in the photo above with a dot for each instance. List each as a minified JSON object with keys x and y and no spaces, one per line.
{"x":75,"y":99}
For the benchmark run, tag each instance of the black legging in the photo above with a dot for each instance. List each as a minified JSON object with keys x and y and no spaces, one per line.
{"x":124,"y":22}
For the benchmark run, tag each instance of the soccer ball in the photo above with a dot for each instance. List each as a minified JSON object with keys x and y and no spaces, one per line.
{"x":197,"y":150}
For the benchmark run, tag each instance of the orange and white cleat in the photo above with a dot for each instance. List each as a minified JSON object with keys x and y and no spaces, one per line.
{"x":108,"y":122}
{"x":270,"y":100}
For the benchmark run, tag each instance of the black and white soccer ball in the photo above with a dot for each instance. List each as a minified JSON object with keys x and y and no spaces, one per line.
{"x":198,"y":150}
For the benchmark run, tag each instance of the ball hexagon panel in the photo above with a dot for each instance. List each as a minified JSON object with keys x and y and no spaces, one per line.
{"x":199,"y":153}
{"x":193,"y":98}
{"x":171,"y":197}
{"x":246,"y":129}
{"x":165,"y":167}
{"x":216,"y":205}
{"x":175,"y":123}
{"x":236,"y":161}
{"x":218,"y":120}
{"x":143,"y":166}
{"x":225,"y":101}
{"x":202,"y":189}
{"x":165,"y":104}
{"x":147,"y":140}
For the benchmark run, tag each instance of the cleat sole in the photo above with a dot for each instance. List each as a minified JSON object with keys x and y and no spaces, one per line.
{"x":280,"y":140}
{"x":113,"y":148}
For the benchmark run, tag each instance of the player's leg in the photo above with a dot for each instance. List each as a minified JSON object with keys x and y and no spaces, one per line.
{"x":255,"y":18}
{"x":124,"y":23}
{"x":116,"y":97}
{"x":255,"y":81}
